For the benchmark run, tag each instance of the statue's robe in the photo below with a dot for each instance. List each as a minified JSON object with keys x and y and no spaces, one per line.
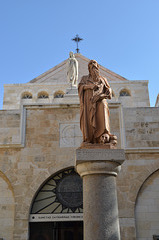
{"x":72,"y":71}
{"x":94,"y":112}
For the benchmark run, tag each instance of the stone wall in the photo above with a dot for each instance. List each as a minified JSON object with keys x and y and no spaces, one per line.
{"x":135,"y":170}
{"x":147,"y":208}
{"x":141,"y":127}
{"x":52,"y":136}
{"x":13,"y":94}
{"x":7,"y":208}
{"x":9,"y":127}
{"x":56,"y":79}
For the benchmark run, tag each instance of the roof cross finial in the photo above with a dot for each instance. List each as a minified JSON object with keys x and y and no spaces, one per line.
{"x":77,"y":39}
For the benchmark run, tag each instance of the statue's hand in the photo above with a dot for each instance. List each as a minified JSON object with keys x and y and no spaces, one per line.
{"x":95,"y":87}
{"x":108,"y":93}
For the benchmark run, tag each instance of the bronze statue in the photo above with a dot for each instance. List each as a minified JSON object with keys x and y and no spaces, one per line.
{"x":93,"y":91}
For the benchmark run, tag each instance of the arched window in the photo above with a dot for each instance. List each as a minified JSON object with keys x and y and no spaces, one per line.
{"x":26,"y":95}
{"x":56,"y":211}
{"x":124,"y":93}
{"x":61,"y":194}
{"x":59,"y":94}
{"x":43,"y":95}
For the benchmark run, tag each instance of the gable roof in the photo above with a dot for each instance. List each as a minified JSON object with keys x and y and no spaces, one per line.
{"x":58,"y":74}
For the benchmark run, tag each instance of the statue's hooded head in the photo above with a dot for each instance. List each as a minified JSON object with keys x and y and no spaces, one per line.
{"x":93,"y":68}
{"x":71,"y":54}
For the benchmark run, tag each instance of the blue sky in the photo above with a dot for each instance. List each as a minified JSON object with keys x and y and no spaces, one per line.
{"x":122,"y":35}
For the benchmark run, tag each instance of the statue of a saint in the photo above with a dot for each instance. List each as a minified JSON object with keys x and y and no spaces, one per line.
{"x":72,"y":70}
{"x":93,"y":91}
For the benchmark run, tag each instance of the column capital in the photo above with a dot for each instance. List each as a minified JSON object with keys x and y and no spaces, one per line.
{"x":99,"y":161}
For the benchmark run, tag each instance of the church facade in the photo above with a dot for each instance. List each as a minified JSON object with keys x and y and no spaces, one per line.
{"x":40,"y":191}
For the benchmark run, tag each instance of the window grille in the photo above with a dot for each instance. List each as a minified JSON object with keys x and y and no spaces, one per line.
{"x":43,"y":95}
{"x":59,"y":94}
{"x":60,"y":194}
{"x":26,"y":96}
{"x":124,"y":93}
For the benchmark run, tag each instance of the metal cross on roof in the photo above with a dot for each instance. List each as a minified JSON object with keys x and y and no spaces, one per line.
{"x":77,"y":39}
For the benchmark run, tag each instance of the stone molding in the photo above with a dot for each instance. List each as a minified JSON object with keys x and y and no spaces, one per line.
{"x":142,"y":150}
{"x":114,"y":155}
{"x":99,"y":161}
{"x":100,"y":167}
{"x":67,"y":104}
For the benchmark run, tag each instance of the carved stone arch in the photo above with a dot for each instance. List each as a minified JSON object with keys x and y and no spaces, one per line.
{"x":124,"y":92}
{"x":59,"y":199}
{"x":63,"y":179}
{"x":59,"y":94}
{"x":7,"y":207}
{"x":43,"y":95}
{"x":147,"y":208}
{"x":139,"y":180}
{"x":26,"y":95}
{"x":40,"y":180}
{"x":35,"y":186}
{"x":133,"y":187}
{"x":146,"y":173}
{"x":136,"y":183}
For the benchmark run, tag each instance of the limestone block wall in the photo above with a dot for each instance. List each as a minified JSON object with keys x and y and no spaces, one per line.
{"x":9,"y":127}
{"x":52,"y":136}
{"x":147,"y":208}
{"x":55,"y":75}
{"x":7,"y":208}
{"x":139,"y":96}
{"x":13,"y":94}
{"x":138,"y":167}
{"x":56,"y":79}
{"x":141,"y":127}
{"x":28,"y":167}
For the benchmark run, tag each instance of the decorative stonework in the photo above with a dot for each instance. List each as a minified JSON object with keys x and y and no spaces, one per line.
{"x":59,"y":197}
{"x":70,"y":135}
{"x":35,"y":143}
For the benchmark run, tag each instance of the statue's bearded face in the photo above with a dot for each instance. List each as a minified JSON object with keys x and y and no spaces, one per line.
{"x":93,"y":68}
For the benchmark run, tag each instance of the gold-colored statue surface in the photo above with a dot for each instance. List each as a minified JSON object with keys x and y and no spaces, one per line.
{"x":93,"y":91}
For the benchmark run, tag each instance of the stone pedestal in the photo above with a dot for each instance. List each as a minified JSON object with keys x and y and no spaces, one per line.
{"x":72,"y":91}
{"x":98,"y":168}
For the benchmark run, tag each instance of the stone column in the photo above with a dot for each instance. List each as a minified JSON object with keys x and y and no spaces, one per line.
{"x":99,"y":168}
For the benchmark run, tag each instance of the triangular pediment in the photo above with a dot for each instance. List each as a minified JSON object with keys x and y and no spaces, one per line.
{"x":58,"y":74}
